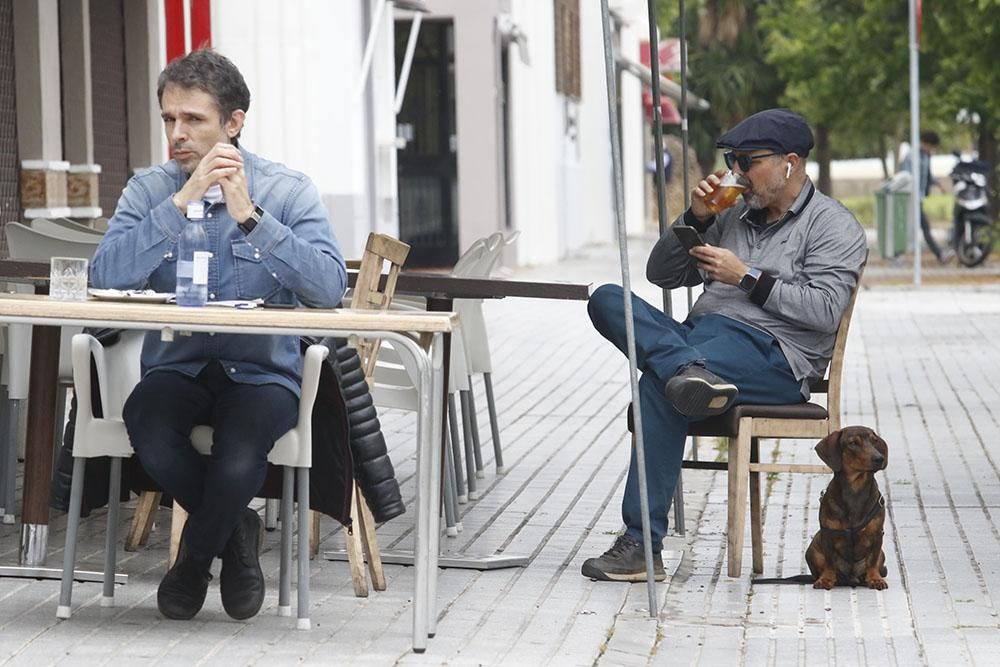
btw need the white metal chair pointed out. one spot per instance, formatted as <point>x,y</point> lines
<point>118,372</point>
<point>66,229</point>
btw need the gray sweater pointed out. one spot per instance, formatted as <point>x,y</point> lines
<point>810,260</point>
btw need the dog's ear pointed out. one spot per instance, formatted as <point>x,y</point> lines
<point>882,449</point>
<point>829,450</point>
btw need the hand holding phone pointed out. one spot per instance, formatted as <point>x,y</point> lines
<point>688,236</point>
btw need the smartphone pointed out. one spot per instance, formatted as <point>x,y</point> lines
<point>270,304</point>
<point>689,236</point>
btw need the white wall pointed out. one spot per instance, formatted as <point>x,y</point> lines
<point>301,62</point>
<point>536,137</point>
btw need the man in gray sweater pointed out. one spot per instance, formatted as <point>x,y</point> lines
<point>777,270</point>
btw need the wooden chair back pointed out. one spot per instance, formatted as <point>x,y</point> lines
<point>832,384</point>
<point>369,291</point>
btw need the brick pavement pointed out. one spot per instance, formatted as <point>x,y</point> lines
<point>919,370</point>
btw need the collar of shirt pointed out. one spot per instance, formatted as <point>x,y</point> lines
<point>755,217</point>
<point>214,194</point>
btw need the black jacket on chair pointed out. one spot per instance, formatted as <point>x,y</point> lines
<point>347,444</point>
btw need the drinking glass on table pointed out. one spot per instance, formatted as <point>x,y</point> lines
<point>68,278</point>
<point>725,194</point>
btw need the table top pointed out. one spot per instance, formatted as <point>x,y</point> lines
<point>24,271</point>
<point>450,287</point>
<point>410,282</point>
<point>38,309</point>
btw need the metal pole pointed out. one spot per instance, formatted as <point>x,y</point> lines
<point>684,128</point>
<point>404,73</point>
<point>366,59</point>
<point>616,166</point>
<point>915,193</point>
<point>654,68</point>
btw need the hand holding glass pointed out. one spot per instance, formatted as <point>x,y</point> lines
<point>725,194</point>
<point>68,279</point>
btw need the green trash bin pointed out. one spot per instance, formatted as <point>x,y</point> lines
<point>892,216</point>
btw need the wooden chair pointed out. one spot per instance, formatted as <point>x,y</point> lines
<point>368,294</point>
<point>360,538</point>
<point>744,425</point>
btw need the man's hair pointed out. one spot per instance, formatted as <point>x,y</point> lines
<point>930,138</point>
<point>211,72</point>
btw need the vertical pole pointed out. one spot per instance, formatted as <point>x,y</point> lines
<point>915,194</point>
<point>616,163</point>
<point>661,197</point>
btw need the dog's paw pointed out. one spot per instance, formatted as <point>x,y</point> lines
<point>878,583</point>
<point>825,583</point>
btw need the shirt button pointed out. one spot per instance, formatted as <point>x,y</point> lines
<point>211,296</point>
<point>232,370</point>
<point>274,275</point>
<point>256,255</point>
<point>211,333</point>
<point>168,255</point>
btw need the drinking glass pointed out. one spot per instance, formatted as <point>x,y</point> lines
<point>725,194</point>
<point>68,279</point>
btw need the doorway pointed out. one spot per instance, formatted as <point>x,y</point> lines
<point>427,169</point>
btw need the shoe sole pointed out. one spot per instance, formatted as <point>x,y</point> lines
<point>695,397</point>
<point>632,577</point>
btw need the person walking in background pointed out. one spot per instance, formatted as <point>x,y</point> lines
<point>929,141</point>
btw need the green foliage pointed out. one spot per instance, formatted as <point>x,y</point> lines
<point>726,65</point>
<point>843,64</point>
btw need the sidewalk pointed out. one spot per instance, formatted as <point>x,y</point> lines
<point>920,369</point>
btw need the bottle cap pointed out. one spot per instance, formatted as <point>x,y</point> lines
<point>195,210</point>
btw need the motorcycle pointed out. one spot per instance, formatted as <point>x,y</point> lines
<point>972,220</point>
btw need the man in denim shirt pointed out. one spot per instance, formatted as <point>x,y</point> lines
<point>270,238</point>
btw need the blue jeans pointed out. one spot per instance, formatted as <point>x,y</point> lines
<point>740,354</point>
<point>247,419</point>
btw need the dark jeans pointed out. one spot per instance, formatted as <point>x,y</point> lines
<point>925,227</point>
<point>742,355</point>
<point>247,419</point>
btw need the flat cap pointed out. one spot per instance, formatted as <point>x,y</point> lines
<point>772,129</point>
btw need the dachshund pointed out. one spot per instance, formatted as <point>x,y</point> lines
<point>847,550</point>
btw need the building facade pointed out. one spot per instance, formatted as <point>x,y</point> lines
<point>501,125</point>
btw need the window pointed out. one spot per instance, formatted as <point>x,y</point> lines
<point>567,42</point>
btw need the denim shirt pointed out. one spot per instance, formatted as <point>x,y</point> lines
<point>290,257</point>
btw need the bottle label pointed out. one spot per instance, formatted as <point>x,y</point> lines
<point>200,270</point>
<point>184,269</point>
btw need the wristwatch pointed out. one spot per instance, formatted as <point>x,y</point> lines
<point>248,225</point>
<point>749,280</point>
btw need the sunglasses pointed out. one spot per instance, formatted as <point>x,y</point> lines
<point>744,161</point>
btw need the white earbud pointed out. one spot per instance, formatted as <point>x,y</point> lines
<point>788,171</point>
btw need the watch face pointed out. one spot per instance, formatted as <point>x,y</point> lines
<point>748,282</point>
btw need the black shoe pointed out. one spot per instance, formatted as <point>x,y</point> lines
<point>624,561</point>
<point>698,392</point>
<point>182,591</point>
<point>241,579</point>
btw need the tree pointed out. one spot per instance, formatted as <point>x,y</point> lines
<point>960,40</point>
<point>845,66</point>
<point>726,66</point>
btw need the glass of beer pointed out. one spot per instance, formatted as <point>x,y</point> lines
<point>726,192</point>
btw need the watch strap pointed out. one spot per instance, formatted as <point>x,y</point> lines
<point>250,223</point>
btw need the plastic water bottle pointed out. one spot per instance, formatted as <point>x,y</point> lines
<point>192,259</point>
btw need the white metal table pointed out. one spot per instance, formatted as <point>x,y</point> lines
<point>419,334</point>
